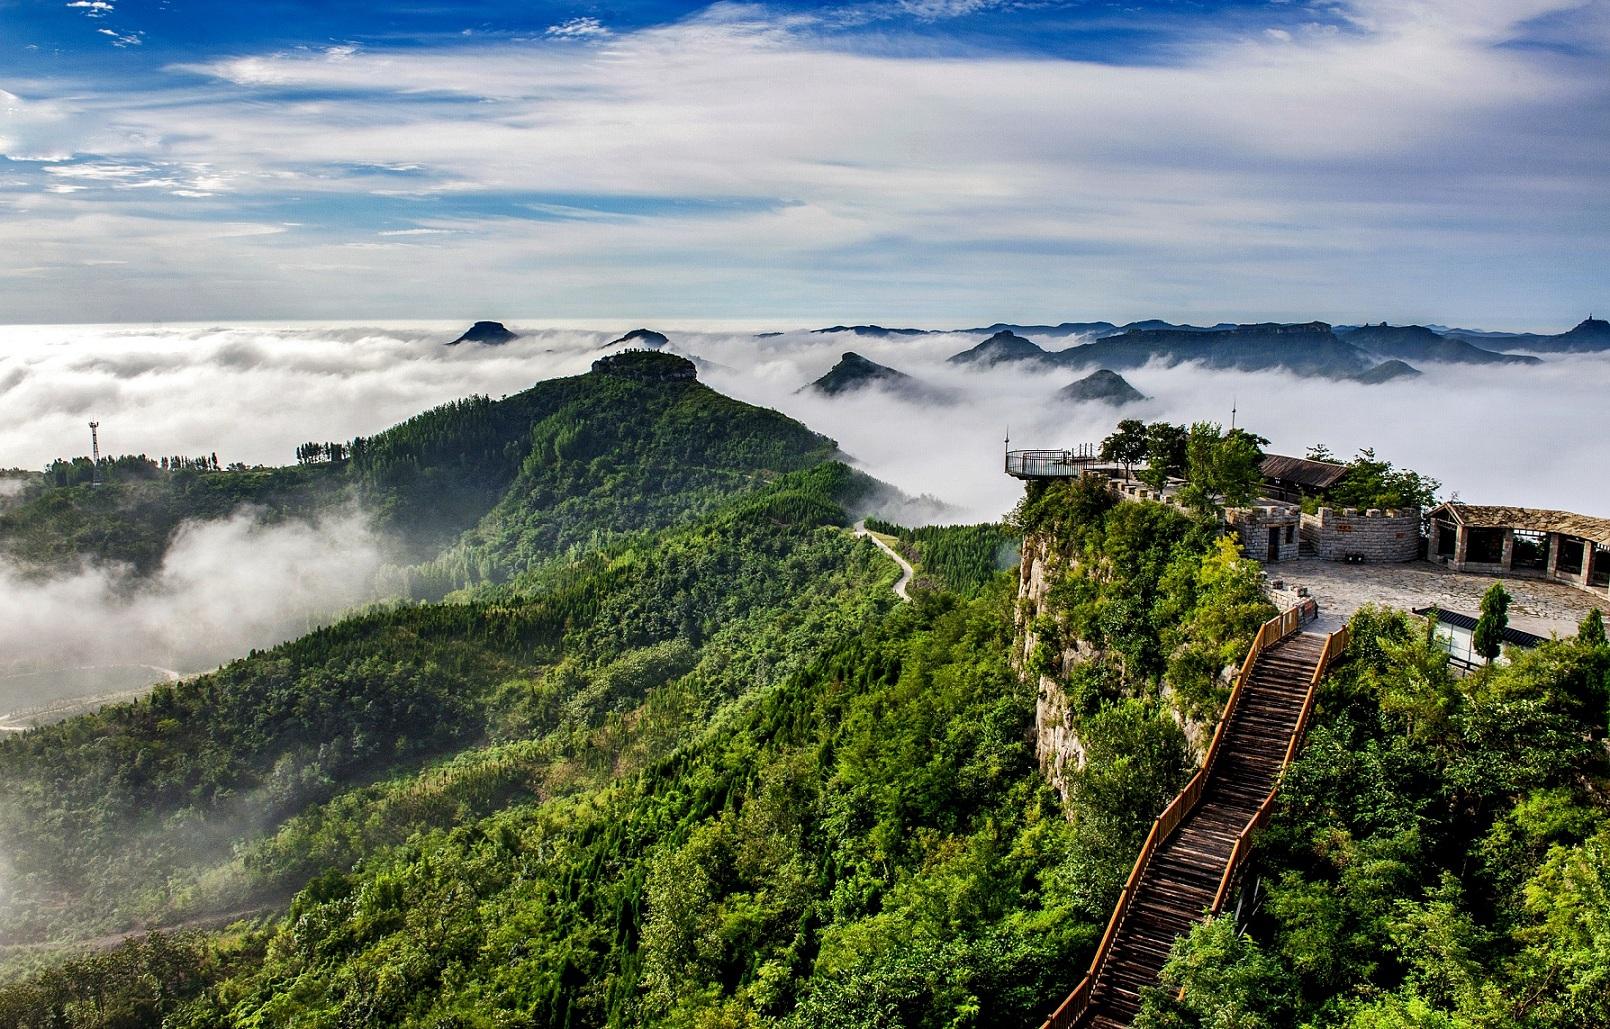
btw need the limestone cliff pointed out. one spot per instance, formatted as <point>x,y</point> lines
<point>1046,662</point>
<point>1046,653</point>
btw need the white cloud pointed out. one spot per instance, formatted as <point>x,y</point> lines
<point>578,28</point>
<point>123,38</point>
<point>1340,175</point>
<point>224,587</point>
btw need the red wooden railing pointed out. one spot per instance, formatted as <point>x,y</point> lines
<point>1077,1004</point>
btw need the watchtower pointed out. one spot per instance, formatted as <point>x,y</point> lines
<point>95,453</point>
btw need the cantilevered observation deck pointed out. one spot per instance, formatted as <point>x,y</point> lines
<point>1054,464</point>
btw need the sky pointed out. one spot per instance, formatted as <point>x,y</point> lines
<point>927,162</point>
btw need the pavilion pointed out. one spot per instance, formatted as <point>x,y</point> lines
<point>1558,545</point>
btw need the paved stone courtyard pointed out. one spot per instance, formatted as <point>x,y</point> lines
<point>1538,607</point>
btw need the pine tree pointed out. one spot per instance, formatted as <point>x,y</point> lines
<point>1488,638</point>
<point>1591,631</point>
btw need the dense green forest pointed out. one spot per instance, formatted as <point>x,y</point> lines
<point>959,558</point>
<point>132,517</point>
<point>671,752</point>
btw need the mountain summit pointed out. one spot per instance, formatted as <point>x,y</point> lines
<point>1103,386</point>
<point>489,333</point>
<point>1005,345</point>
<point>854,372</point>
<point>643,338</point>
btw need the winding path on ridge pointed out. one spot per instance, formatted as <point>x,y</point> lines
<point>906,571</point>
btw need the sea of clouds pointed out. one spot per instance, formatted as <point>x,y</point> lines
<point>1493,434</point>
<point>251,393</point>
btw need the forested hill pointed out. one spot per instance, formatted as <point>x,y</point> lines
<point>715,775</point>
<point>635,444</point>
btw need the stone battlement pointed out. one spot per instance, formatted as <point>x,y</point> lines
<point>1373,535</point>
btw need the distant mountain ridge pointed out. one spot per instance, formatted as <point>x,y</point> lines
<point>1306,348</point>
<point>874,331</point>
<point>1376,352</point>
<point>1591,335</point>
<point>1420,343</point>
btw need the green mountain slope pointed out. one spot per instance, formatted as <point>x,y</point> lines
<point>626,448</point>
<point>111,818</point>
<point>635,444</point>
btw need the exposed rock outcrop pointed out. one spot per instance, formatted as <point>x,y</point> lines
<point>646,366</point>
<point>1056,745</point>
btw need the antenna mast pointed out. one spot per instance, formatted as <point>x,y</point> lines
<point>95,453</point>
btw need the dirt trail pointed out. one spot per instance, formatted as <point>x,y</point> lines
<point>906,571</point>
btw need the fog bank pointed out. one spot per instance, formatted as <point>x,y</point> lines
<point>224,588</point>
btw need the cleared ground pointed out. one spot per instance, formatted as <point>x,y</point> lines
<point>1544,608</point>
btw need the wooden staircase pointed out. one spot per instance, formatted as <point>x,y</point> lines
<point>1188,863</point>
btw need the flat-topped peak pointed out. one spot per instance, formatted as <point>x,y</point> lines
<point>646,366</point>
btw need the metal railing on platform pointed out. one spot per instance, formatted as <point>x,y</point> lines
<point>1051,464</point>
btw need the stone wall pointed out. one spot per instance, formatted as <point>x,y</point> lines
<point>1252,525</point>
<point>1374,535</point>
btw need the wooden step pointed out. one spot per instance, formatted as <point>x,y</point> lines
<point>1181,878</point>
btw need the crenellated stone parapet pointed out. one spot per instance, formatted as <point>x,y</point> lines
<point>1372,535</point>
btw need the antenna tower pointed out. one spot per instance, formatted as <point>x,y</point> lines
<point>95,453</point>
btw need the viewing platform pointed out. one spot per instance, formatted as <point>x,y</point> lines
<point>1055,464</point>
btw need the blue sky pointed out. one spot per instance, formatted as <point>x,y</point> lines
<point>916,161</point>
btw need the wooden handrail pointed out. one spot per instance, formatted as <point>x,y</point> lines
<point>1335,643</point>
<point>1077,1004</point>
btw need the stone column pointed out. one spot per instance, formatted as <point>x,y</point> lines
<point>1552,569</point>
<point>1507,562</point>
<point>1461,546</point>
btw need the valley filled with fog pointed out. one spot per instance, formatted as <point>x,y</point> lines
<point>252,394</point>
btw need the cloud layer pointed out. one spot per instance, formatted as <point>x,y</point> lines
<point>224,587</point>
<point>252,393</point>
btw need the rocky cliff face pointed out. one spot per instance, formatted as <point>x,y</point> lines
<point>1048,659</point>
<point>1056,744</point>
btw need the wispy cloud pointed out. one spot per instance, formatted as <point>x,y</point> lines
<point>1311,171</point>
<point>123,38</point>
<point>93,8</point>
<point>578,28</point>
